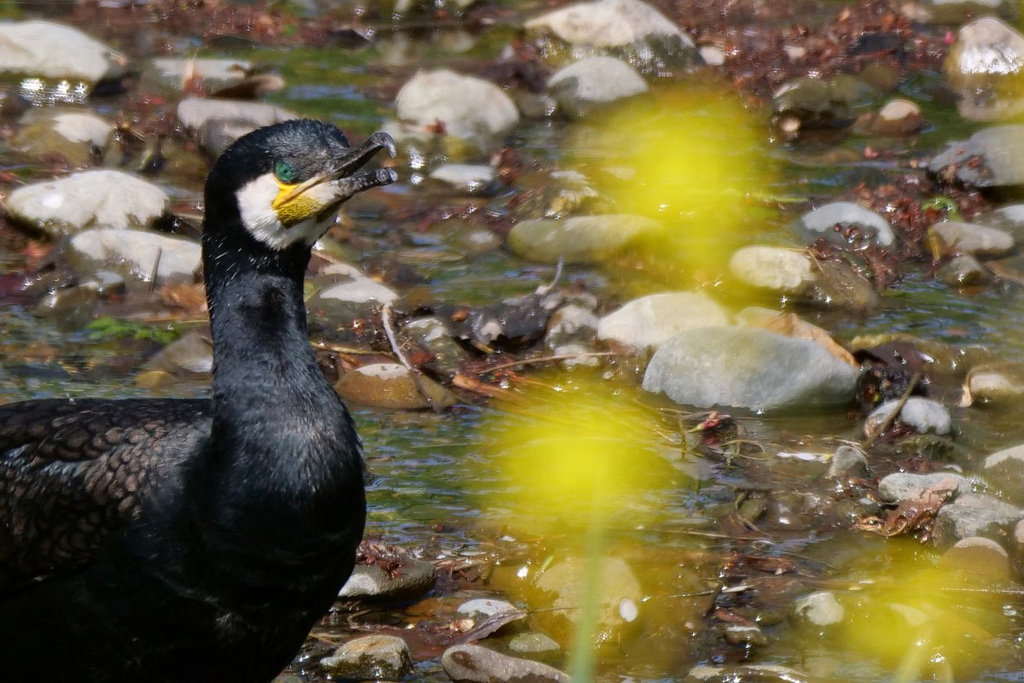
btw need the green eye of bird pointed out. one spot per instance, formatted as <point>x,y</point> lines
<point>284,172</point>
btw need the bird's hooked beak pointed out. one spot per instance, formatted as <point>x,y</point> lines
<point>325,191</point>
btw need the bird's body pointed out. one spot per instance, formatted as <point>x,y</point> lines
<point>191,540</point>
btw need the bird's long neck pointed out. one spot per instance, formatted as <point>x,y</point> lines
<point>275,416</point>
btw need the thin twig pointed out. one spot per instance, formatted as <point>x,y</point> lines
<point>896,411</point>
<point>385,316</point>
<point>156,269</point>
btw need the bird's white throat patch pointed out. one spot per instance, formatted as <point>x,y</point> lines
<point>261,219</point>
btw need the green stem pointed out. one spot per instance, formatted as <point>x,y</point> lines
<point>582,659</point>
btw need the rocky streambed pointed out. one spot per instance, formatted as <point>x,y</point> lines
<point>689,327</point>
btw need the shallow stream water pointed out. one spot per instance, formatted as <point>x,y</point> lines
<point>433,485</point>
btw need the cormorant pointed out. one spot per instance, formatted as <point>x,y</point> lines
<point>192,540</point>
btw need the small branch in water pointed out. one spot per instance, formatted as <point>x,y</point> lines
<point>389,330</point>
<point>895,413</point>
<point>156,269</point>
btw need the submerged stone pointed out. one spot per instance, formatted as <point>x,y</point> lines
<point>580,239</point>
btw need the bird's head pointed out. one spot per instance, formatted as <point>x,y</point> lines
<point>285,182</point>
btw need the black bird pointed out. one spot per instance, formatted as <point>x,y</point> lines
<point>191,540</point>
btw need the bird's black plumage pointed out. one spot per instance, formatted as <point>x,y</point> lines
<point>191,540</point>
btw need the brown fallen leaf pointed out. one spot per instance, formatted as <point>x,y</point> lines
<point>791,325</point>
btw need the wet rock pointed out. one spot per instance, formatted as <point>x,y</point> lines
<point>556,594</point>
<point>344,293</point>
<point>840,286</point>
<point>135,254</point>
<point>476,664</point>
<point>219,122</point>
<point>90,199</point>
<point>848,462</point>
<point>1004,470</point>
<point>831,221</point>
<point>983,66</point>
<point>903,486</point>
<point>819,609</point>
<point>989,158</point>
<point>469,108</point>
<point>469,239</point>
<point>968,238</point>
<point>76,135</point>
<point>955,12</point>
<point>51,50</point>
<point>761,673</point>
<point>651,320</point>
<point>964,271</point>
<point>467,178</point>
<point>783,271</point>
<point>190,357</point>
<point>998,384</point>
<point>809,103</point>
<point>486,607</point>
<point>533,645</point>
<point>593,82</point>
<point>370,582</point>
<point>924,415</point>
<point>172,72</point>
<point>975,514</point>
<point>69,305</point>
<point>748,636</point>
<point>373,657</point>
<point>748,368</point>
<point>1009,218</point>
<point>580,239</point>
<point>629,28</point>
<point>712,55</point>
<point>390,385</point>
<point>572,330</point>
<point>897,117</point>
<point>980,558</point>
<point>431,334</point>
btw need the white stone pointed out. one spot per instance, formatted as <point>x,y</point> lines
<point>650,320</point>
<point>91,199</point>
<point>140,251</point>
<point>468,107</point>
<point>779,270</point>
<point>593,81</point>
<point>52,50</point>
<point>608,23</point>
<point>193,112</point>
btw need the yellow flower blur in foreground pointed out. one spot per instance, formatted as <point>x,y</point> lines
<point>574,455</point>
<point>934,623</point>
<point>694,160</point>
